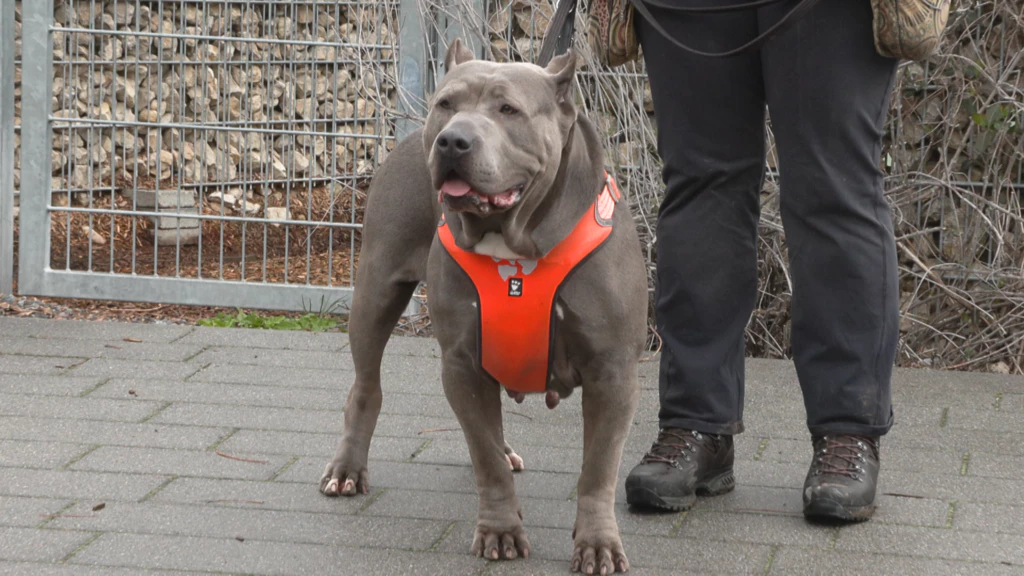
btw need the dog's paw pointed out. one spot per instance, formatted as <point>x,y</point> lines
<point>340,479</point>
<point>515,461</point>
<point>599,552</point>
<point>501,543</point>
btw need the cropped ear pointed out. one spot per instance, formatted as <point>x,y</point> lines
<point>563,70</point>
<point>457,54</point>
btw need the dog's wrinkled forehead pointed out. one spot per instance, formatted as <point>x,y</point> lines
<point>528,84</point>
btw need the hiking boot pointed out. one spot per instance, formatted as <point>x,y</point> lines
<point>681,465</point>
<point>841,482</point>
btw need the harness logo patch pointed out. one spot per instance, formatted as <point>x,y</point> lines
<point>515,287</point>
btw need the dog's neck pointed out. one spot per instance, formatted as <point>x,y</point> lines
<point>544,219</point>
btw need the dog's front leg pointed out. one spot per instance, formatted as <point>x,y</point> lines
<point>609,401</point>
<point>477,404</point>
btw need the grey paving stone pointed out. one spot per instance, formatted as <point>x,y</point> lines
<point>996,465</point>
<point>288,419</point>
<point>278,358</point>
<point>964,488</point>
<point>119,433</point>
<point>253,523</point>
<point>34,545</point>
<point>797,561</point>
<point>412,346</point>
<point>957,440</point>
<point>180,463</point>
<point>449,506</point>
<point>96,348</point>
<point>28,512</point>
<point>932,543</point>
<point>89,330</point>
<point>319,445</point>
<point>989,420</point>
<point>1012,403</point>
<point>452,451</point>
<point>697,555</point>
<point>115,368</point>
<point>277,413</point>
<point>411,374</point>
<point>76,408</point>
<point>219,393</point>
<point>259,557</point>
<point>250,338</point>
<point>275,375</point>
<point>771,474</point>
<point>989,518</point>
<point>430,477</point>
<point>41,347</point>
<point>27,454</point>
<point>895,458</point>
<point>46,385</point>
<point>754,528</point>
<point>78,484</point>
<point>38,569</point>
<point>35,365</point>
<point>417,427</point>
<point>260,495</point>
<point>947,394</point>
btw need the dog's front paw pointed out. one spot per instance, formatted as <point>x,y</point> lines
<point>500,543</point>
<point>598,550</point>
<point>345,477</point>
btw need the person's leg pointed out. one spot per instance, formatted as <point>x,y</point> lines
<point>710,120</point>
<point>828,93</point>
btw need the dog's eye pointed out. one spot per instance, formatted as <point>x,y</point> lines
<point>446,104</point>
<point>507,109</point>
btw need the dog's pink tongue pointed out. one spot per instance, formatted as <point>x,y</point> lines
<point>455,187</point>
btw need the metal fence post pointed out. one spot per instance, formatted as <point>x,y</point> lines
<point>465,16</point>
<point>36,145</point>
<point>412,67</point>
<point>7,147</point>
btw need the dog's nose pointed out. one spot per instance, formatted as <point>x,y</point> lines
<point>455,142</point>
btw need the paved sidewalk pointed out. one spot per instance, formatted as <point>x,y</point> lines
<point>136,449</point>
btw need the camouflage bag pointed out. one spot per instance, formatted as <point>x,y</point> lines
<point>610,32</point>
<point>909,29</point>
<point>613,40</point>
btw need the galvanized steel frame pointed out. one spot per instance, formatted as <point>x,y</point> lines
<point>6,146</point>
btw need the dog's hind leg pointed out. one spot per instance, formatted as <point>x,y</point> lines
<point>375,311</point>
<point>401,217</point>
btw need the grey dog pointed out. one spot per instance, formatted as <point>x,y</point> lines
<point>515,167</point>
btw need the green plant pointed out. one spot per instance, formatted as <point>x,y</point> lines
<point>309,322</point>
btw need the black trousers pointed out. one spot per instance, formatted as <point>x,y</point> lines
<point>827,93</point>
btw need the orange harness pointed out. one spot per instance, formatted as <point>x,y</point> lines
<point>516,297</point>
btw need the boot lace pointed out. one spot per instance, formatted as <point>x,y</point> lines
<point>843,456</point>
<point>675,443</point>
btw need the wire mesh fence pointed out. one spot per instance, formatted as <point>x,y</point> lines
<point>230,142</point>
<point>215,139</point>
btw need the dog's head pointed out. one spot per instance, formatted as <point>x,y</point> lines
<point>494,133</point>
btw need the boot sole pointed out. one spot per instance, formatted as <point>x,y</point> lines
<point>645,497</point>
<point>829,510</point>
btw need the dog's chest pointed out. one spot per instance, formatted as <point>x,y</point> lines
<point>516,304</point>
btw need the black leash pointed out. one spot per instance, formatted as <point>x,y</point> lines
<point>564,18</point>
